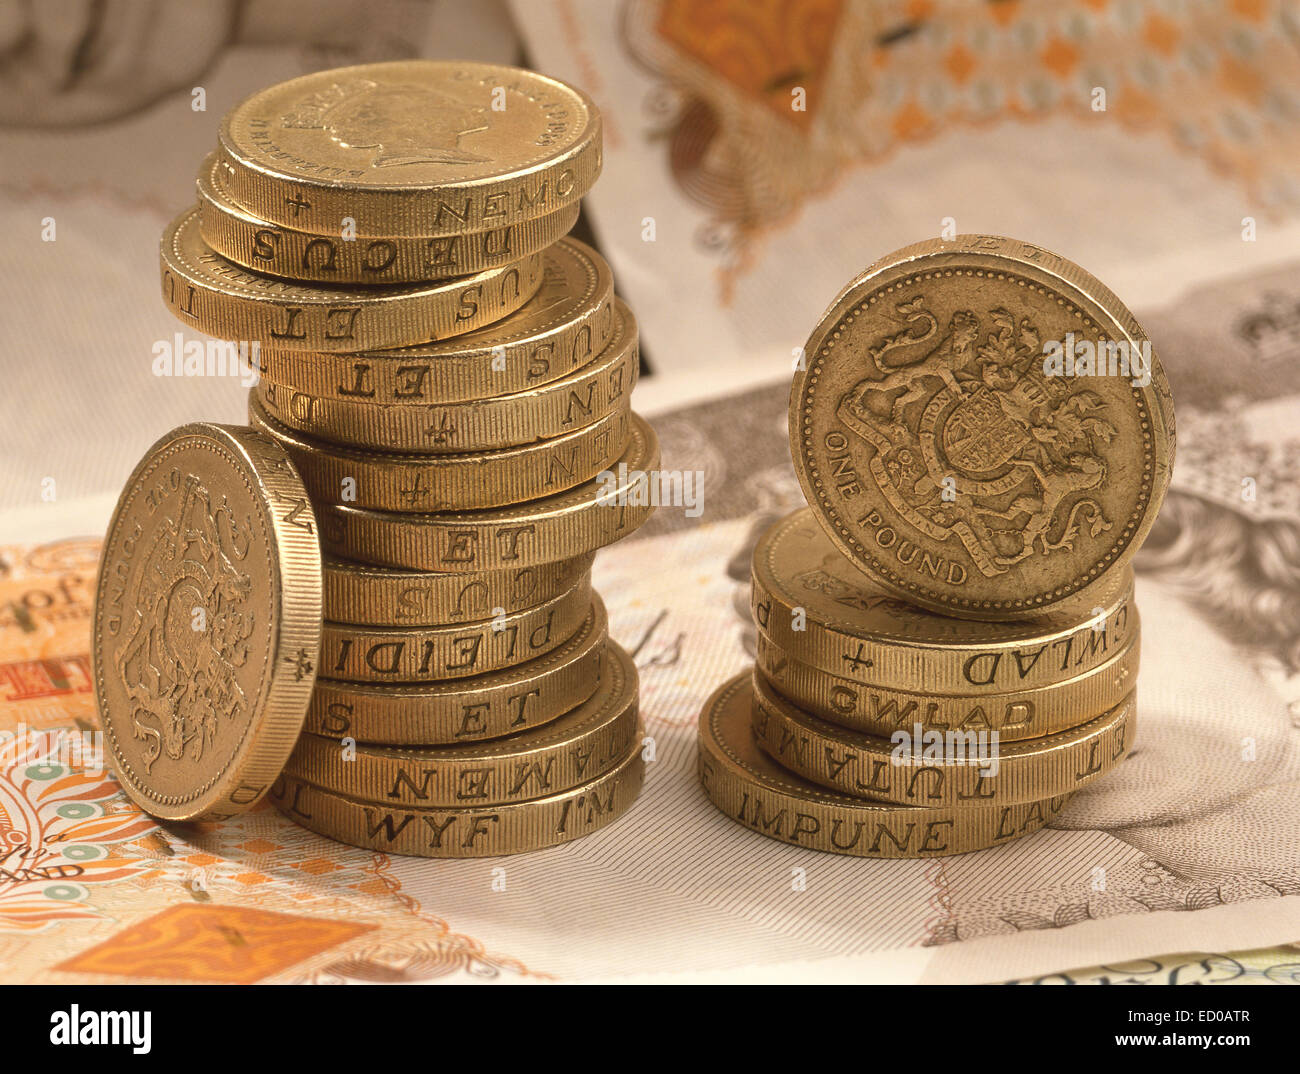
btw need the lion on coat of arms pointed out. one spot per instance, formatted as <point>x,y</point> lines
<point>973,440</point>
<point>191,630</point>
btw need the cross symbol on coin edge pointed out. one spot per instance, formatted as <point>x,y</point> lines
<point>856,661</point>
<point>443,429</point>
<point>302,664</point>
<point>416,492</point>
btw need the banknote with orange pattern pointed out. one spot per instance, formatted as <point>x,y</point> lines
<point>92,889</point>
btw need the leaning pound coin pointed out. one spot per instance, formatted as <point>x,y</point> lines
<point>207,622</point>
<point>982,427</point>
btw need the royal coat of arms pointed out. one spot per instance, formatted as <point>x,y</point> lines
<point>974,440</point>
<point>179,663</point>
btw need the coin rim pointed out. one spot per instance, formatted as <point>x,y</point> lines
<point>404,540</point>
<point>608,717</point>
<point>1016,760</point>
<point>350,587</point>
<point>525,832</point>
<point>1084,694</point>
<point>396,727</point>
<point>461,481</point>
<point>231,230</point>
<point>411,313</point>
<point>732,775</point>
<point>897,656</point>
<point>513,419</point>
<point>572,604</point>
<point>321,372</point>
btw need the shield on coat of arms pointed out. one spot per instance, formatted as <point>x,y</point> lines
<point>979,435</point>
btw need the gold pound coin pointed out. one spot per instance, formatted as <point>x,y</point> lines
<point>982,427</point>
<point>340,257</point>
<point>568,524</point>
<point>216,296</point>
<point>563,327</point>
<point>387,481</point>
<point>363,595</point>
<point>818,607</point>
<point>754,791</point>
<point>881,709</point>
<point>552,410</point>
<point>411,147</point>
<point>579,746</point>
<point>207,622</point>
<point>433,654</point>
<point>959,769</point>
<point>466,710</point>
<point>467,831</point>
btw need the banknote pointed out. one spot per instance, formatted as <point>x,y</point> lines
<point>758,156</point>
<point>1270,965</point>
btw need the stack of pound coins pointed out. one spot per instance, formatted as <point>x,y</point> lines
<point>947,639</point>
<point>450,375</point>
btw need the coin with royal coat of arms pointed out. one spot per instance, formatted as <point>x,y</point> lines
<point>207,622</point>
<point>982,427</point>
